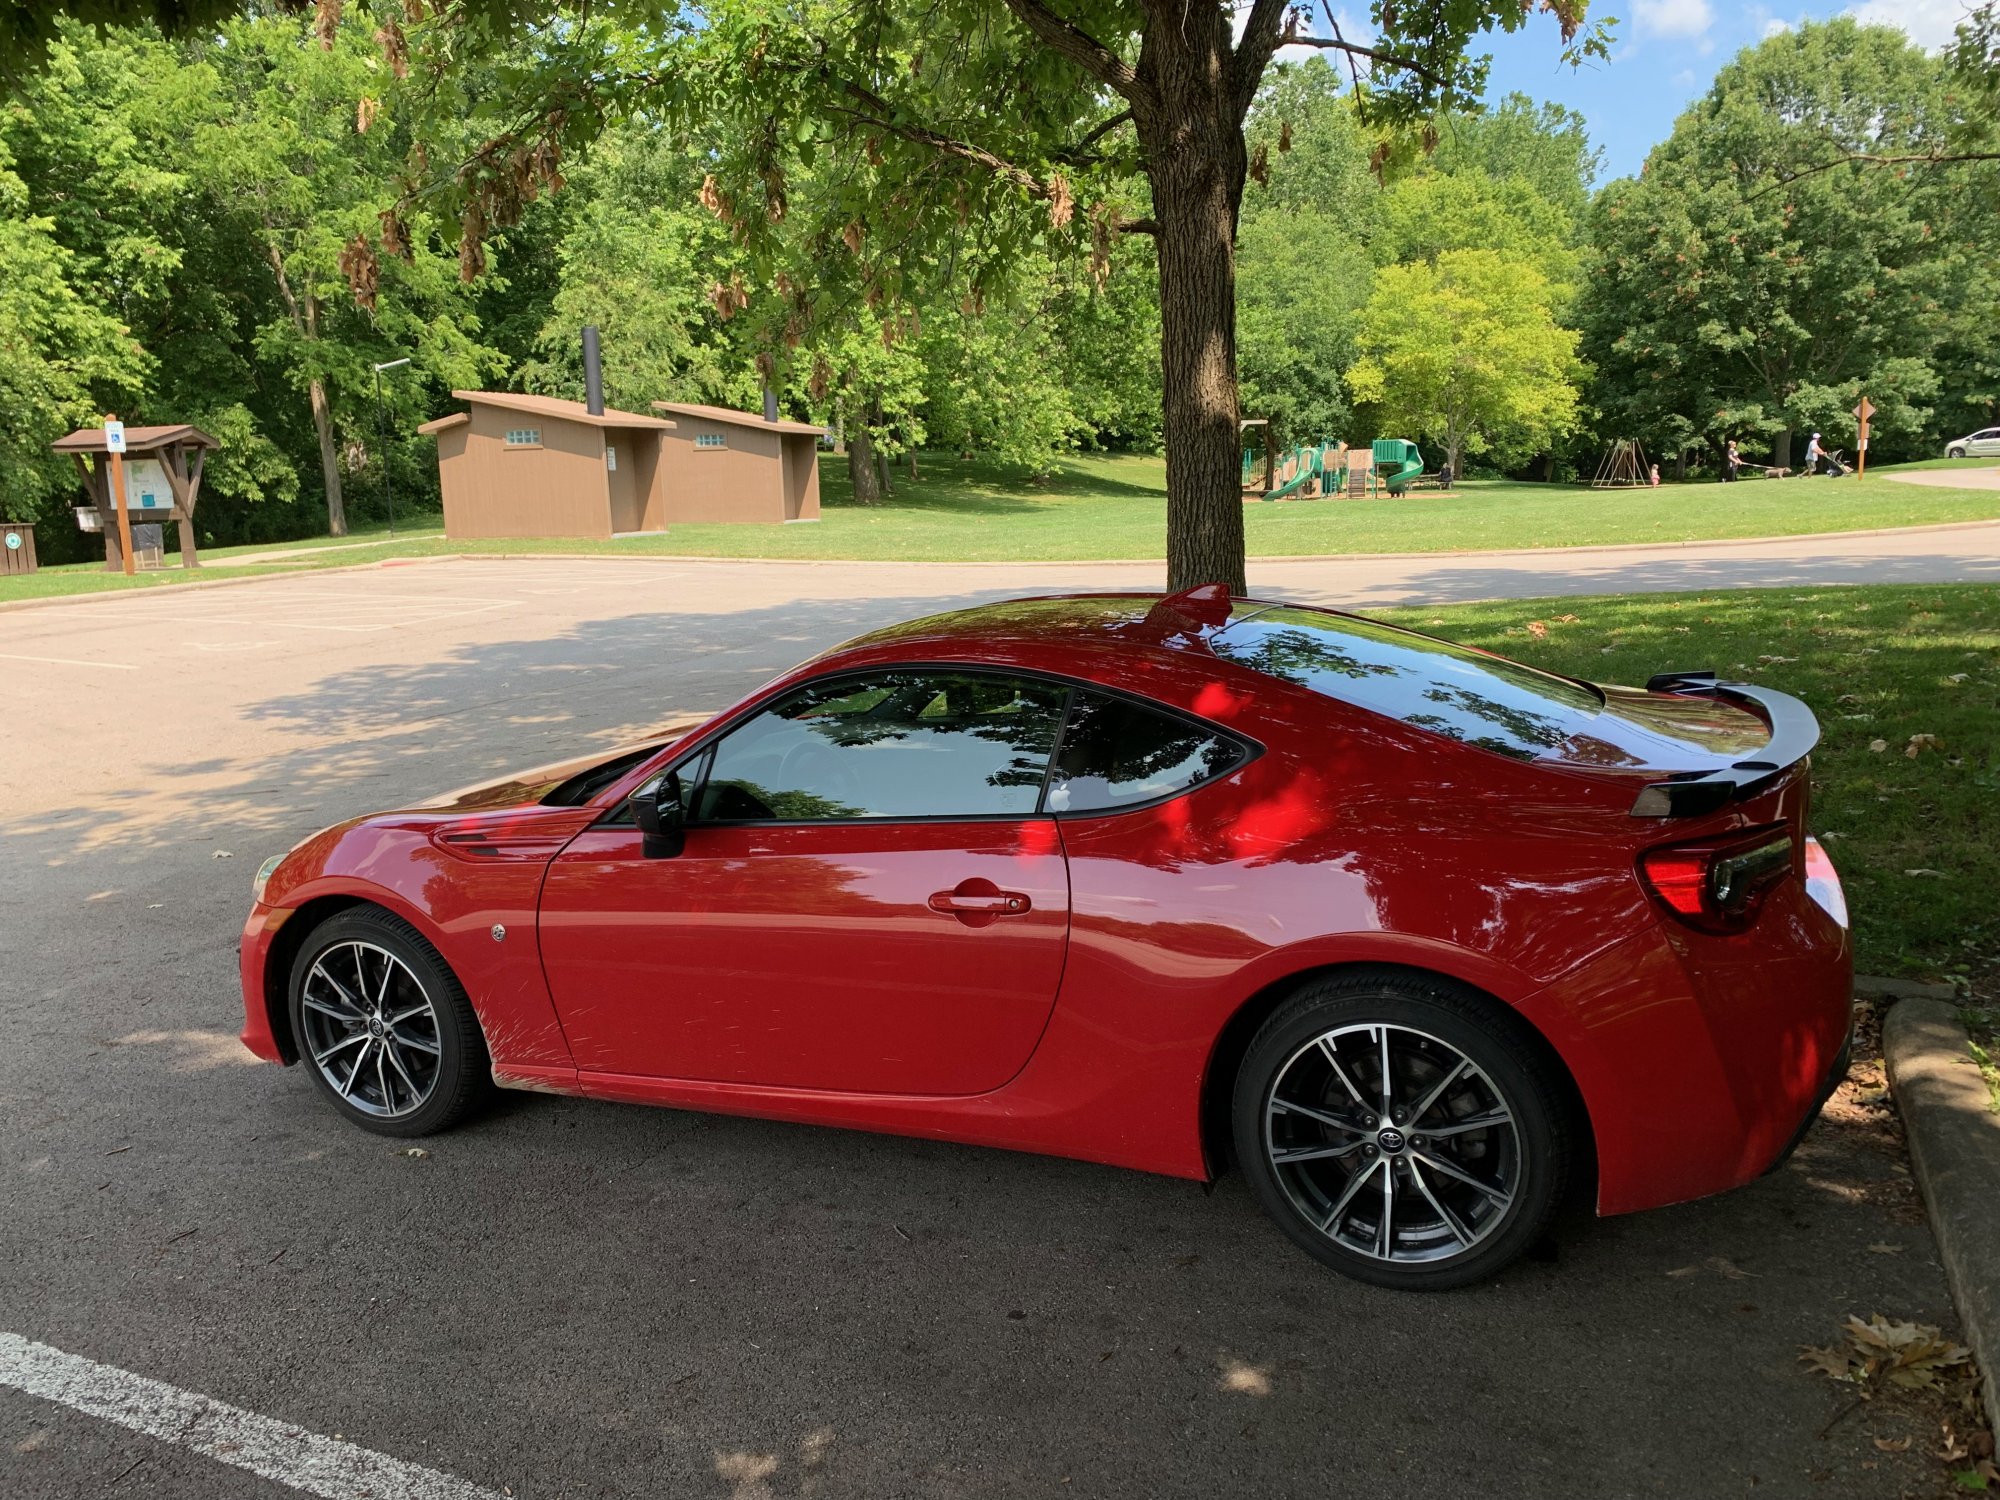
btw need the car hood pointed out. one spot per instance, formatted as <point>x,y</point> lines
<point>522,788</point>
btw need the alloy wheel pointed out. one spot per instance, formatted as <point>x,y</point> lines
<point>1393,1144</point>
<point>371,1029</point>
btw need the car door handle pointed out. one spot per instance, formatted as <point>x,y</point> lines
<point>979,902</point>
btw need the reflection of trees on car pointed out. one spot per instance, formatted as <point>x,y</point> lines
<point>1524,731</point>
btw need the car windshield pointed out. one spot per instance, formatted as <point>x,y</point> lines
<point>1452,690</point>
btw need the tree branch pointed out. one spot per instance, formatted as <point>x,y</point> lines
<point>1140,226</point>
<point>1075,154</point>
<point>1254,50</point>
<point>877,112</point>
<point>1870,159</point>
<point>1081,48</point>
<point>1355,49</point>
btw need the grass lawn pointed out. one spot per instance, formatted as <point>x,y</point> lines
<point>1097,507</point>
<point>1916,836</point>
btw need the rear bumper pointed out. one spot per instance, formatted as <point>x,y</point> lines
<point>1835,1076</point>
<point>1701,1061</point>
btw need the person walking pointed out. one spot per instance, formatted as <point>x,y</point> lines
<point>1812,455</point>
<point>1731,461</point>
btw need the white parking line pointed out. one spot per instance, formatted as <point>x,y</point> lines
<point>264,1446</point>
<point>67,661</point>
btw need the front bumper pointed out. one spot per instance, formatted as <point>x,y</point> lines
<point>252,959</point>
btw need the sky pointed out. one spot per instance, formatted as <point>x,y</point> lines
<point>1665,55</point>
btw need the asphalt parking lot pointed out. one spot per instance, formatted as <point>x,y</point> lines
<point>579,1299</point>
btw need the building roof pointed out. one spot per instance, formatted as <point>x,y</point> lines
<point>443,422</point>
<point>730,414</point>
<point>137,439</point>
<point>566,411</point>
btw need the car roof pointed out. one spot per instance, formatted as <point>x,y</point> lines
<point>1156,621</point>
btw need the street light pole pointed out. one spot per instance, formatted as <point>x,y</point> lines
<point>382,439</point>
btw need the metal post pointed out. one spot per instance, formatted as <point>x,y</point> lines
<point>382,439</point>
<point>593,372</point>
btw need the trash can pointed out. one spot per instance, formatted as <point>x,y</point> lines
<point>17,547</point>
<point>148,547</point>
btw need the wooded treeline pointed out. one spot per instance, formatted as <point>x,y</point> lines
<point>178,222</point>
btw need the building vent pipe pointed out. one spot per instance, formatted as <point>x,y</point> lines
<point>593,373</point>
<point>770,404</point>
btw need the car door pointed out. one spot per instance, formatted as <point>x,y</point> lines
<point>870,898</point>
<point>1984,444</point>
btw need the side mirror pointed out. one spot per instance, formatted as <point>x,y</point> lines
<point>662,818</point>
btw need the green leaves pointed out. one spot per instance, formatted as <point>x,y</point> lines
<point>1467,350</point>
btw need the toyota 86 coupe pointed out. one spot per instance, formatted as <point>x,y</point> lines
<point>1414,935</point>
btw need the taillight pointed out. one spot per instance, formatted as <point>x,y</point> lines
<point>1823,883</point>
<point>1717,886</point>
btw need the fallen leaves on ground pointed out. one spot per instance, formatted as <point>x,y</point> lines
<point>1878,1352</point>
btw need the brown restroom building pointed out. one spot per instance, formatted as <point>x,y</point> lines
<point>527,466</point>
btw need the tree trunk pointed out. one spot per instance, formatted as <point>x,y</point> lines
<point>1681,466</point>
<point>1191,130</point>
<point>862,474</point>
<point>329,457</point>
<point>305,319</point>
<point>914,475</point>
<point>882,465</point>
<point>1781,450</point>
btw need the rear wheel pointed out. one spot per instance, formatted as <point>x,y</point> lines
<point>384,1026</point>
<point>1401,1129</point>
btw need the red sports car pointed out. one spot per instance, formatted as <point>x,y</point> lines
<point>1415,934</point>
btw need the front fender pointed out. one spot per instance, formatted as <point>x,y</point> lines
<point>474,903</point>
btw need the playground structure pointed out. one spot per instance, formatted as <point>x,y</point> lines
<point>1322,471</point>
<point>1622,467</point>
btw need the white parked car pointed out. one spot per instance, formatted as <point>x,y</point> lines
<point>1984,443</point>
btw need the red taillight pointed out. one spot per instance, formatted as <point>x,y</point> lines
<point>1718,886</point>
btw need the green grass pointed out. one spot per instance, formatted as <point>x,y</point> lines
<point>1879,663</point>
<point>1096,507</point>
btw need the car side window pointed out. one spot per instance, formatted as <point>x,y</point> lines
<point>1116,752</point>
<point>917,743</point>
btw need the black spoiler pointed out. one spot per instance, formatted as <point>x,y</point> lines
<point>1794,732</point>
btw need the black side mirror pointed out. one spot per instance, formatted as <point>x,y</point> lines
<point>662,818</point>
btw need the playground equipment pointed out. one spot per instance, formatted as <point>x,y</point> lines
<point>1298,474</point>
<point>1398,462</point>
<point>1622,467</point>
<point>1325,470</point>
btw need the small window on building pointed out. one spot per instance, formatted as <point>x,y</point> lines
<point>524,437</point>
<point>611,458</point>
<point>711,440</point>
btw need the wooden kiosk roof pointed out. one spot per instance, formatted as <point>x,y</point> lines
<point>137,439</point>
<point>547,406</point>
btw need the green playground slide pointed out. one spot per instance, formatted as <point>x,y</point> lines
<point>1397,462</point>
<point>1308,469</point>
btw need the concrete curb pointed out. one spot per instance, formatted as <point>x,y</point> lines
<point>1954,1140</point>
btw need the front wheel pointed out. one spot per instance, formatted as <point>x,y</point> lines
<point>1401,1129</point>
<point>1954,453</point>
<point>384,1026</point>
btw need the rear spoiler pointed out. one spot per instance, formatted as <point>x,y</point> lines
<point>1794,733</point>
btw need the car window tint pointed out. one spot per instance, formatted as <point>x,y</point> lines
<point>1115,752</point>
<point>1449,689</point>
<point>915,744</point>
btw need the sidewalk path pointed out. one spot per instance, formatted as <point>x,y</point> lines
<point>1952,479</point>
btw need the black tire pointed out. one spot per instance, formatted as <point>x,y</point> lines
<point>343,960</point>
<point>1954,453</point>
<point>1462,1203</point>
